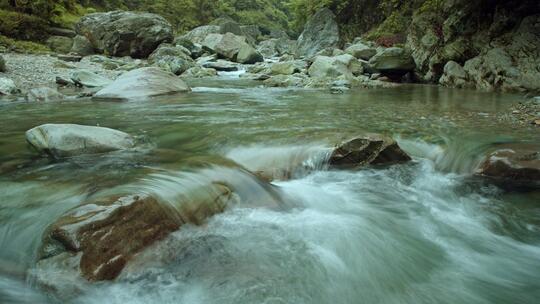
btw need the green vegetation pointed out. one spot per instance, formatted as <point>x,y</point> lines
<point>20,46</point>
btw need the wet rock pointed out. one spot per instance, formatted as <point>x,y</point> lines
<point>107,233</point>
<point>343,65</point>
<point>60,44</point>
<point>514,167</point>
<point>121,33</point>
<point>368,150</point>
<point>200,72</point>
<point>82,46</point>
<point>174,59</point>
<point>221,65</point>
<point>65,140</point>
<point>454,75</point>
<point>142,83</point>
<point>320,32</point>
<point>85,78</point>
<point>361,51</point>
<point>43,94</point>
<point>393,62</point>
<point>7,86</point>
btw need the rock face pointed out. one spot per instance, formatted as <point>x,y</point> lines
<point>122,33</point>
<point>142,83</point>
<point>393,61</point>
<point>85,78</point>
<point>43,94</point>
<point>60,44</point>
<point>497,52</point>
<point>7,86</point>
<point>342,65</point>
<point>513,168</point>
<point>364,151</point>
<point>65,140</point>
<point>106,233</point>
<point>174,59</point>
<point>320,32</point>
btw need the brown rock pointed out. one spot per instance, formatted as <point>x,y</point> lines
<point>110,231</point>
<point>369,150</point>
<point>515,168</point>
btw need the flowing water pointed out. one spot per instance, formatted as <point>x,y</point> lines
<point>423,232</point>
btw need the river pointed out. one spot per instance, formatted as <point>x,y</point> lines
<point>422,232</point>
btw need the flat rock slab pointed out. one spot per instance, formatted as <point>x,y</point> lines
<point>140,84</point>
<point>65,140</point>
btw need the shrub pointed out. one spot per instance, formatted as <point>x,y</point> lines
<point>22,26</point>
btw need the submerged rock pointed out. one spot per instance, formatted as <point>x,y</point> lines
<point>142,83</point>
<point>65,140</point>
<point>320,32</point>
<point>513,167</point>
<point>121,33</point>
<point>43,94</point>
<point>369,150</point>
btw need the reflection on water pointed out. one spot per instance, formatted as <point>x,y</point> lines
<point>414,233</point>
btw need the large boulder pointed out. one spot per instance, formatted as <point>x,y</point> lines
<point>105,234</point>
<point>230,26</point>
<point>82,46</point>
<point>65,140</point>
<point>513,167</point>
<point>198,34</point>
<point>7,86</point>
<point>248,55</point>
<point>43,94</point>
<point>454,75</point>
<point>142,83</point>
<point>320,32</point>
<point>121,33</point>
<point>89,79</point>
<point>60,44</point>
<point>174,59</point>
<point>251,32</point>
<point>361,51</point>
<point>284,68</point>
<point>276,47</point>
<point>367,150</point>
<point>343,65</point>
<point>393,61</point>
<point>229,45</point>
